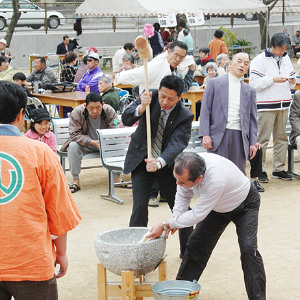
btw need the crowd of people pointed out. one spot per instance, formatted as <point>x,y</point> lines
<point>236,123</point>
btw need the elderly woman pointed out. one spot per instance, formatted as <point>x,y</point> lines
<point>68,71</point>
<point>222,59</point>
<point>212,71</point>
<point>128,63</point>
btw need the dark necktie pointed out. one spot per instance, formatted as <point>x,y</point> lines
<point>156,146</point>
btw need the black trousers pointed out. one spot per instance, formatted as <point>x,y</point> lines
<point>207,233</point>
<point>256,165</point>
<point>142,182</point>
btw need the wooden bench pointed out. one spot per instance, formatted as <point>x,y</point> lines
<point>291,149</point>
<point>61,131</point>
<point>107,53</point>
<point>114,145</point>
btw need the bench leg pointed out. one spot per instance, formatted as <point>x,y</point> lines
<point>111,190</point>
<point>63,163</point>
<point>291,162</point>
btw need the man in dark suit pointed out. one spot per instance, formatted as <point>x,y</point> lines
<point>65,46</point>
<point>173,121</point>
<point>228,121</point>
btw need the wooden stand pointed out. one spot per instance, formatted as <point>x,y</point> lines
<point>128,288</point>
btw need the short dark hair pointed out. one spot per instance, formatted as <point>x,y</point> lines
<point>179,44</point>
<point>65,37</point>
<point>84,59</point>
<point>12,99</point>
<point>128,46</point>
<point>93,97</point>
<point>70,56</point>
<point>280,39</point>
<point>219,33</point>
<point>204,50</point>
<point>156,26</point>
<point>172,82</point>
<point>191,162</point>
<point>19,76</point>
<point>3,59</point>
<point>42,59</point>
<point>182,24</point>
<point>186,31</point>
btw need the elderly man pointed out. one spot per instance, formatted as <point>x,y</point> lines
<point>296,43</point>
<point>224,195</point>
<point>84,121</point>
<point>89,80</point>
<point>108,93</point>
<point>272,75</point>
<point>160,66</point>
<point>228,124</point>
<point>170,131</point>
<point>295,121</point>
<point>117,59</point>
<point>37,209</point>
<point>4,51</point>
<point>42,73</point>
<point>64,46</point>
<point>6,71</point>
<point>217,45</point>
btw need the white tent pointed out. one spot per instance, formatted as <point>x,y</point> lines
<point>142,8</point>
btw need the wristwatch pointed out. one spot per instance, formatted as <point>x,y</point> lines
<point>165,225</point>
<point>158,164</point>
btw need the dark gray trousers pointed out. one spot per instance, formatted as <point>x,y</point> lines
<point>207,233</point>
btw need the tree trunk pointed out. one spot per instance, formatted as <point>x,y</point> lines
<point>14,20</point>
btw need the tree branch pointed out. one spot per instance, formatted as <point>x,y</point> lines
<point>13,22</point>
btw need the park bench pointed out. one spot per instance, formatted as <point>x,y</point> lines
<point>291,149</point>
<point>113,148</point>
<point>61,131</point>
<point>107,53</point>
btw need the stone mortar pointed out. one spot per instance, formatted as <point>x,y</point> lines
<point>118,250</point>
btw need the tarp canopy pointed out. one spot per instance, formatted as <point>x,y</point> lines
<point>143,8</point>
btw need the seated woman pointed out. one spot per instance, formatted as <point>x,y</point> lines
<point>212,71</point>
<point>128,63</point>
<point>68,71</point>
<point>222,59</point>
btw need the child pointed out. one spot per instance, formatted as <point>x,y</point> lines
<point>39,127</point>
<point>20,79</point>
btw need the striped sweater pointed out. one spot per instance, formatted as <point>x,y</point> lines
<point>270,95</point>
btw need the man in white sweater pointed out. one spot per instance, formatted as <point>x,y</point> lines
<point>224,195</point>
<point>272,75</point>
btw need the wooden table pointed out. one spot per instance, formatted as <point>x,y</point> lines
<point>61,57</point>
<point>71,99</point>
<point>194,94</point>
<point>124,86</point>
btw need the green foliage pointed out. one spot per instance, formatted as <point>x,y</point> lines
<point>229,37</point>
<point>243,42</point>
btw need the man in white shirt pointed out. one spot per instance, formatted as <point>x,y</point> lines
<point>223,194</point>
<point>228,122</point>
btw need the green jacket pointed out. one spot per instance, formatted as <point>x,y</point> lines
<point>111,98</point>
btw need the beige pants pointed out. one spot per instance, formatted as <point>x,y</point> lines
<point>273,122</point>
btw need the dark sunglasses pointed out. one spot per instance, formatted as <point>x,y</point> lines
<point>89,59</point>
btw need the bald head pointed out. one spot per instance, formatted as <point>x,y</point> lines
<point>240,64</point>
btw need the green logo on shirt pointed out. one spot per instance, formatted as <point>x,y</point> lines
<point>11,173</point>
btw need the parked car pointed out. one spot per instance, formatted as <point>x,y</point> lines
<point>31,15</point>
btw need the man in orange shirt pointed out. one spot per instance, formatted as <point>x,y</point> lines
<point>217,45</point>
<point>36,207</point>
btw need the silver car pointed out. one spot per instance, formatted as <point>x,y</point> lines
<point>31,15</point>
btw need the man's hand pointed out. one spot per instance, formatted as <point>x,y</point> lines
<point>280,79</point>
<point>192,67</point>
<point>95,143</point>
<point>151,165</point>
<point>207,142</point>
<point>62,261</point>
<point>252,151</point>
<point>145,100</point>
<point>156,231</point>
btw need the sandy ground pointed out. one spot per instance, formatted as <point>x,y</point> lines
<point>279,243</point>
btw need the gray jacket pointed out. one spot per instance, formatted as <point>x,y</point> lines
<point>295,117</point>
<point>44,77</point>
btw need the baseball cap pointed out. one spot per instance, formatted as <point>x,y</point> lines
<point>94,55</point>
<point>3,41</point>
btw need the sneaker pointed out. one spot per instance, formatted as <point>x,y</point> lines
<point>153,202</point>
<point>263,177</point>
<point>258,186</point>
<point>282,175</point>
<point>162,198</point>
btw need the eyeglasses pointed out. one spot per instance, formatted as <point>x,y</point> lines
<point>178,56</point>
<point>89,59</point>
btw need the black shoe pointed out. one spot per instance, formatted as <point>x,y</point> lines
<point>282,175</point>
<point>263,177</point>
<point>162,198</point>
<point>258,186</point>
<point>153,202</point>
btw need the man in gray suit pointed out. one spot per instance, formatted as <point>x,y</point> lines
<point>166,111</point>
<point>295,121</point>
<point>228,121</point>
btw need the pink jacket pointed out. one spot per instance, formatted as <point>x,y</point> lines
<point>48,138</point>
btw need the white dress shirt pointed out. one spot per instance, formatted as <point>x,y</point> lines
<point>223,188</point>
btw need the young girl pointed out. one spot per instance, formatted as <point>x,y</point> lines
<point>39,127</point>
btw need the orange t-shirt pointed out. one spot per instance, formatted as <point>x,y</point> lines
<point>216,47</point>
<point>35,202</point>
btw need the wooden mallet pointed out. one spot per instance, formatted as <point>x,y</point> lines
<point>145,52</point>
